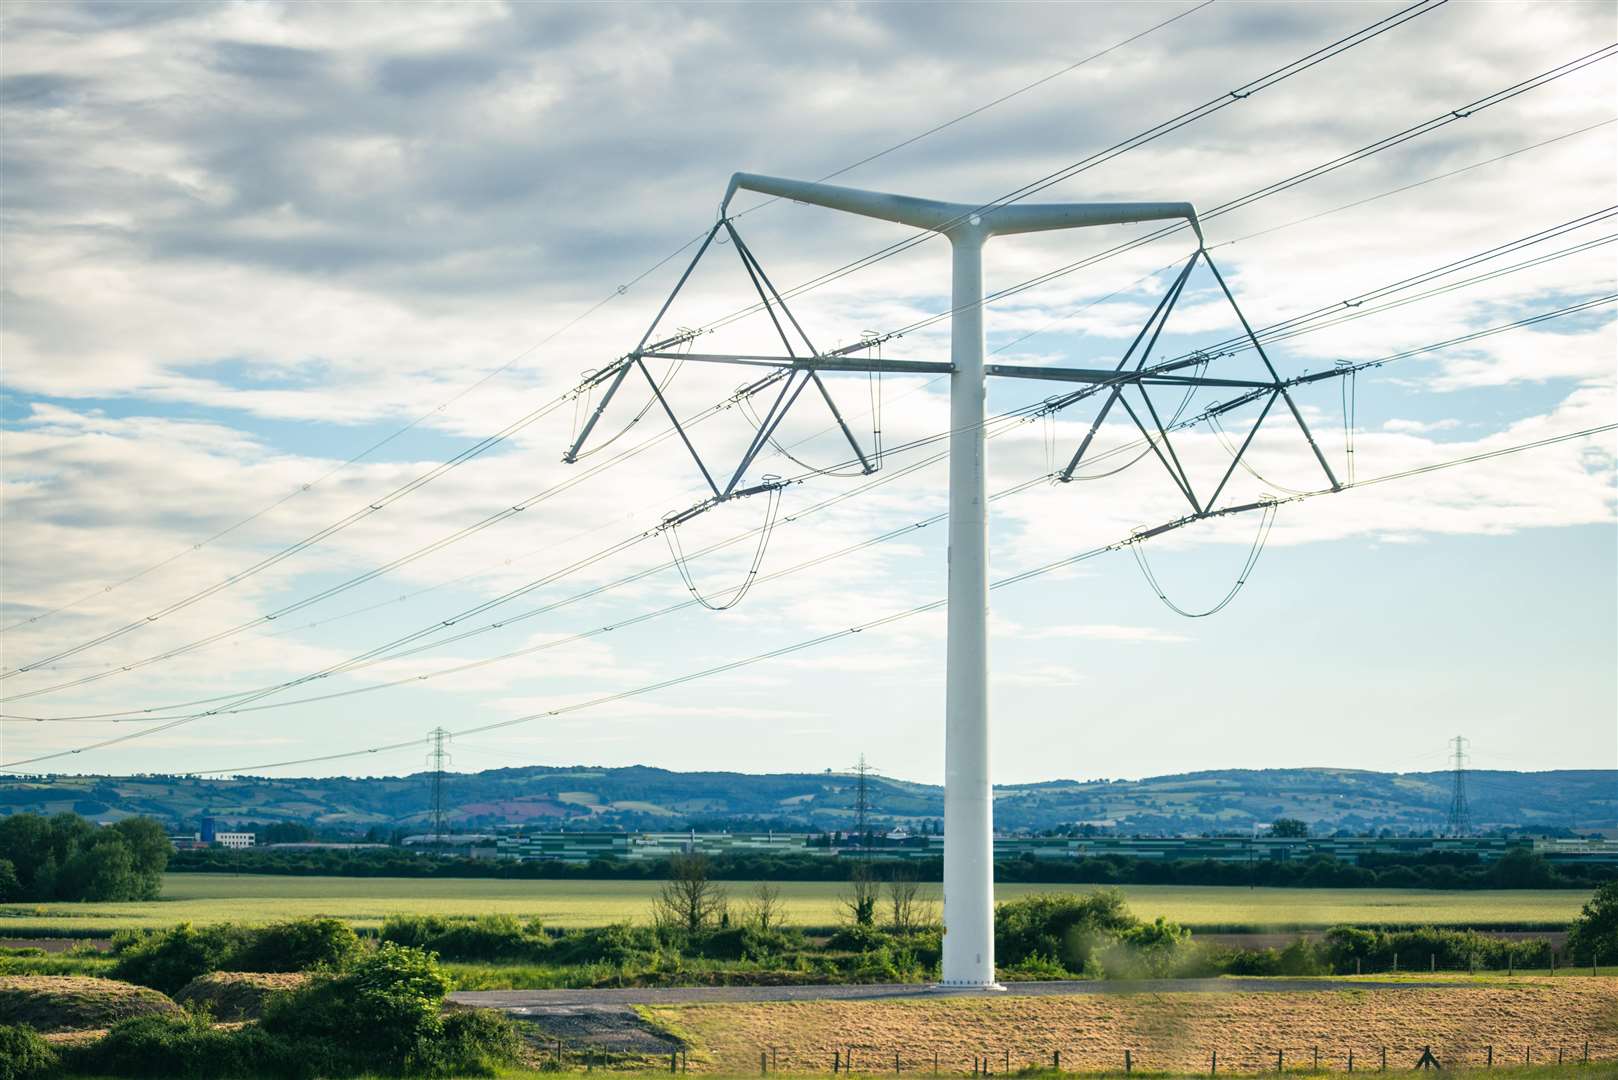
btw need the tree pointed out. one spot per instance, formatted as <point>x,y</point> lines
<point>859,902</point>
<point>1289,828</point>
<point>689,899</point>
<point>908,909</point>
<point>67,858</point>
<point>1594,934</point>
<point>766,912</point>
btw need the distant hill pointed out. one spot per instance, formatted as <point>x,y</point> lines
<point>638,797</point>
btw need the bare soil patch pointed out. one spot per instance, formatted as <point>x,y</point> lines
<point>1162,1031</point>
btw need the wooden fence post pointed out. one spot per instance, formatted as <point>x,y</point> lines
<point>763,1063</point>
<point>1278,1066</point>
<point>935,1062</point>
<point>1433,957</point>
<point>674,1061</point>
<point>1350,1060</point>
<point>1317,1059</point>
<point>1558,1055</point>
<point>836,1061</point>
<point>1490,1063</point>
<point>1396,963</point>
<point>1056,1060</point>
<point>1384,1060</point>
<point>1129,1063</point>
<point>1007,1069</point>
<point>896,1063</point>
<point>1213,1068</point>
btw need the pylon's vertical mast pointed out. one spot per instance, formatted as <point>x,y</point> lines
<point>968,798</point>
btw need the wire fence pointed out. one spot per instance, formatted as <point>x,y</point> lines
<point>866,1060</point>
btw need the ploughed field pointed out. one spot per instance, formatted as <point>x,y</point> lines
<point>1163,1032</point>
<point>206,898</point>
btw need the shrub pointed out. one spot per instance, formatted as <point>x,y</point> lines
<point>1035,968</point>
<point>618,943</point>
<point>298,945</point>
<point>1062,926</point>
<point>169,959</point>
<point>749,942</point>
<point>489,938</point>
<point>474,1043</point>
<point>164,1046</point>
<point>24,1055</point>
<point>384,1010</point>
<point>1453,950</point>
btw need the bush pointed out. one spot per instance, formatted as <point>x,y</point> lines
<point>747,943</point>
<point>1035,968</point>
<point>24,1055</point>
<point>619,943</point>
<point>1417,950</point>
<point>384,1011</point>
<point>475,1042</point>
<point>1062,927</point>
<point>489,938</point>
<point>298,945</point>
<point>187,1045</point>
<point>169,959</point>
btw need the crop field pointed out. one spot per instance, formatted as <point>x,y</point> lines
<point>1163,1032</point>
<point>257,898</point>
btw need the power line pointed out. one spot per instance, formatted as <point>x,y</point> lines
<point>1538,80</point>
<point>582,316</point>
<point>886,620</point>
<point>386,653</point>
<point>1242,93</point>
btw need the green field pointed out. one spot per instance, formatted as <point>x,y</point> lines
<point>205,898</point>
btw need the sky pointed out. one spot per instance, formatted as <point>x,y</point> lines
<point>269,267</point>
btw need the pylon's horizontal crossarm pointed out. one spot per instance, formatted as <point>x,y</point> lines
<point>993,219</point>
<point>1110,376</point>
<point>811,363</point>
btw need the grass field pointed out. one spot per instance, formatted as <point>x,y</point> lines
<point>1171,1032</point>
<point>205,898</point>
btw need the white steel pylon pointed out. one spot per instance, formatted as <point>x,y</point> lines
<point>968,799</point>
